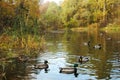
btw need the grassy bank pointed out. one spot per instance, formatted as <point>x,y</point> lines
<point>29,44</point>
<point>111,28</point>
<point>80,29</point>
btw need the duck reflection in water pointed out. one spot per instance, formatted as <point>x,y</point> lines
<point>44,66</point>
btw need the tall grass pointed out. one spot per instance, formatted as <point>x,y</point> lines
<point>25,44</point>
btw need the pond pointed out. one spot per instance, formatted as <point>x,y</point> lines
<point>63,50</point>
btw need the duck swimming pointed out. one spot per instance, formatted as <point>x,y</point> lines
<point>83,59</point>
<point>70,70</point>
<point>42,66</point>
<point>87,43</point>
<point>98,46</point>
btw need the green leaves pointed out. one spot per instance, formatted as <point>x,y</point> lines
<point>87,12</point>
<point>51,17</point>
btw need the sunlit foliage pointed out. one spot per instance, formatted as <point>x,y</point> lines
<point>26,44</point>
<point>86,12</point>
<point>50,16</point>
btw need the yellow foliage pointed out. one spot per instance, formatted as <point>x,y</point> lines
<point>33,8</point>
<point>7,9</point>
<point>28,43</point>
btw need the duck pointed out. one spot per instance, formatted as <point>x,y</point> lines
<point>83,59</point>
<point>70,70</point>
<point>101,34</point>
<point>109,39</point>
<point>98,46</point>
<point>42,66</point>
<point>87,43</point>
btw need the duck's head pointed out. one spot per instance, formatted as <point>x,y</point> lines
<point>75,65</point>
<point>99,44</point>
<point>89,41</point>
<point>35,65</point>
<point>80,57</point>
<point>45,62</point>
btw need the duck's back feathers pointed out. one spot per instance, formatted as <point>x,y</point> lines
<point>98,46</point>
<point>68,70</point>
<point>87,43</point>
<point>41,66</point>
<point>83,59</point>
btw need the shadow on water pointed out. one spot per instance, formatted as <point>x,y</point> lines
<point>64,50</point>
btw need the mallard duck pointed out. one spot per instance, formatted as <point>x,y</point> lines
<point>98,46</point>
<point>70,70</point>
<point>83,59</point>
<point>87,43</point>
<point>42,66</point>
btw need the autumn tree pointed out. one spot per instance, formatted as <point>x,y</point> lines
<point>27,16</point>
<point>50,18</point>
<point>77,13</point>
<point>6,14</point>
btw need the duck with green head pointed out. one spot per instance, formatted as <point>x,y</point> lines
<point>70,70</point>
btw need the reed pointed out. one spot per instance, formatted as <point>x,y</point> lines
<point>27,43</point>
